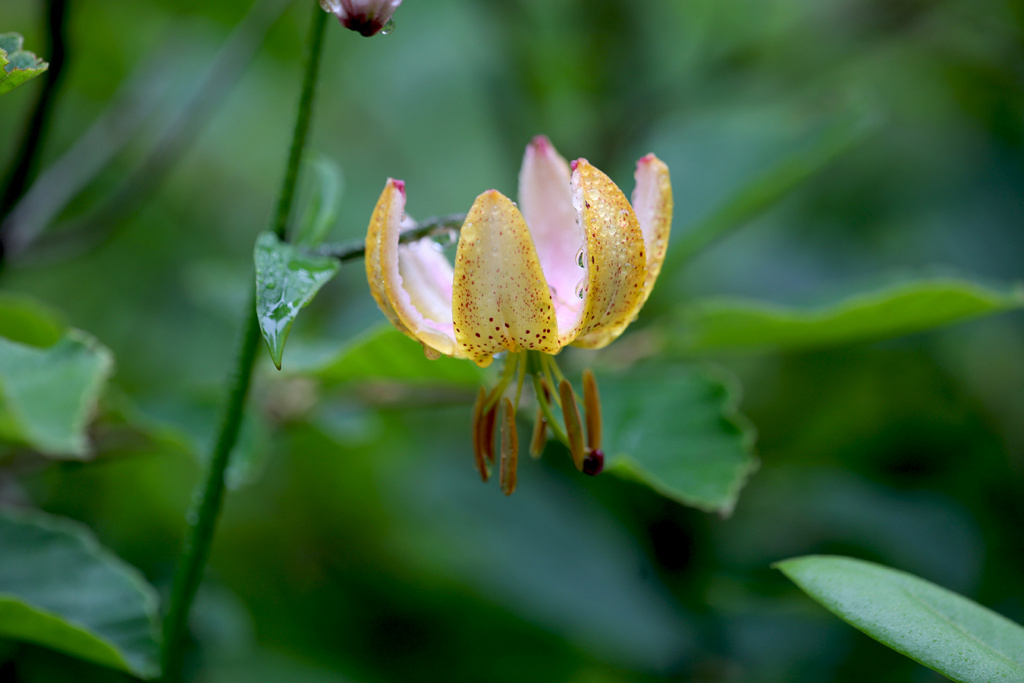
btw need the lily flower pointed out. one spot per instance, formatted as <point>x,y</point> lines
<point>573,263</point>
<point>367,17</point>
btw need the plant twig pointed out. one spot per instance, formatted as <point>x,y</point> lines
<point>431,227</point>
<point>208,505</point>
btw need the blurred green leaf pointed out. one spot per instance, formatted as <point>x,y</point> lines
<point>16,65</point>
<point>320,211</point>
<point>59,588</point>
<point>678,431</point>
<point>287,278</point>
<point>938,628</point>
<point>26,321</point>
<point>772,185</point>
<point>384,353</point>
<point>739,325</point>
<point>50,393</point>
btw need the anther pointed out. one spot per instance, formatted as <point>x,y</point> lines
<point>509,447</point>
<point>540,435</point>
<point>594,462</point>
<point>478,435</point>
<point>592,410</point>
<point>573,427</point>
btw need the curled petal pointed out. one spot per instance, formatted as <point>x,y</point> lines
<point>500,297</point>
<point>652,202</point>
<point>412,284</point>
<point>615,257</point>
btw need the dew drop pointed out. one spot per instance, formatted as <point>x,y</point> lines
<point>581,256</point>
<point>442,239</point>
<point>388,28</point>
<point>581,288</point>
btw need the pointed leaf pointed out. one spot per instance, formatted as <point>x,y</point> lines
<point>737,325</point>
<point>677,430</point>
<point>60,589</point>
<point>287,278</point>
<point>320,211</point>
<point>16,65</point>
<point>50,393</point>
<point>936,627</point>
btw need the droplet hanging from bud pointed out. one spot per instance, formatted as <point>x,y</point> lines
<point>388,28</point>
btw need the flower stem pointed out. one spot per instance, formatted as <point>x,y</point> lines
<point>203,519</point>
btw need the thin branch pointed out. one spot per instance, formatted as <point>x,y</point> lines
<point>440,227</point>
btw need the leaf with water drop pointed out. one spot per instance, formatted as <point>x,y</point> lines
<point>16,65</point>
<point>287,278</point>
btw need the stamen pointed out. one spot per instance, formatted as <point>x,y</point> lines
<point>489,418</point>
<point>478,437</point>
<point>573,427</point>
<point>592,410</point>
<point>509,447</point>
<point>540,434</point>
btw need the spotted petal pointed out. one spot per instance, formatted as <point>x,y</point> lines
<point>412,283</point>
<point>501,300</point>
<point>615,257</point>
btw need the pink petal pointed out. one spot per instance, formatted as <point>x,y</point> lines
<point>545,199</point>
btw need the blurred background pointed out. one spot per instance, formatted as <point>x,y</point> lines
<point>363,546</point>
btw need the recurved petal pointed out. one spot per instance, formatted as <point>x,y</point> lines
<point>615,260</point>
<point>501,300</point>
<point>412,284</point>
<point>652,202</point>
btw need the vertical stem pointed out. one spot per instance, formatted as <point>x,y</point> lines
<point>26,160</point>
<point>203,519</point>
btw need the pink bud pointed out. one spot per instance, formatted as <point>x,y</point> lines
<point>367,17</point>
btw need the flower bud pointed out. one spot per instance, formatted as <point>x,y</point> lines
<point>368,17</point>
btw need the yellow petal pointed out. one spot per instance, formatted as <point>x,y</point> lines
<point>500,298</point>
<point>652,202</point>
<point>410,283</point>
<point>615,257</point>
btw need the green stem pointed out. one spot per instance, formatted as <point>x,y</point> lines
<point>203,519</point>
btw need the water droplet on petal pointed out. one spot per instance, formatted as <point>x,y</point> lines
<point>388,28</point>
<point>581,255</point>
<point>581,288</point>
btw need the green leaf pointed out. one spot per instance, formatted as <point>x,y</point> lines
<point>771,185</point>
<point>936,627</point>
<point>384,353</point>
<point>287,278</point>
<point>26,321</point>
<point>320,210</point>
<point>738,325</point>
<point>60,589</point>
<point>16,65</point>
<point>677,430</point>
<point>50,393</point>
